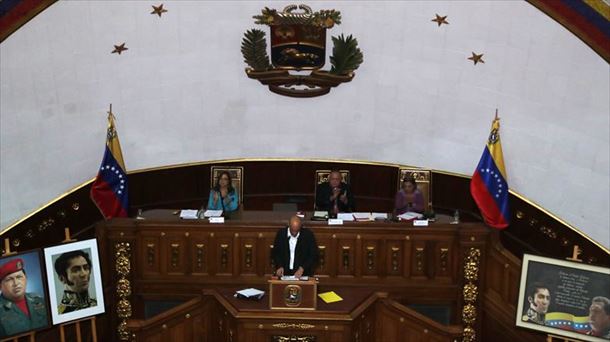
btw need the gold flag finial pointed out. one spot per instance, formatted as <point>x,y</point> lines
<point>110,114</point>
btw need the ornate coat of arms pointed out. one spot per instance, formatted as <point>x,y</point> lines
<point>293,295</point>
<point>298,45</point>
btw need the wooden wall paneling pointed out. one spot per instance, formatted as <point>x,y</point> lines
<point>419,261</point>
<point>502,276</point>
<point>213,256</point>
<point>186,322</point>
<point>443,261</point>
<point>346,257</point>
<point>359,257</point>
<point>407,254</point>
<point>451,192</point>
<point>326,262</point>
<point>387,325</point>
<point>396,259</point>
<point>149,255</point>
<point>199,248</point>
<point>512,286</point>
<point>224,252</point>
<point>367,328</point>
<point>496,278</point>
<point>371,254</point>
<point>236,253</point>
<point>164,187</point>
<point>174,253</point>
<point>396,322</point>
<point>265,264</point>
<point>248,248</point>
<point>188,186</point>
<point>181,329</point>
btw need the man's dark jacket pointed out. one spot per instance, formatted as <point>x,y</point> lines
<point>323,202</point>
<point>305,255</point>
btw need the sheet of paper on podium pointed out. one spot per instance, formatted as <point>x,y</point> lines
<point>320,214</point>
<point>383,216</point>
<point>212,213</point>
<point>362,216</point>
<point>250,293</point>
<point>410,215</point>
<point>330,297</point>
<point>188,214</point>
<point>345,216</point>
<point>291,277</point>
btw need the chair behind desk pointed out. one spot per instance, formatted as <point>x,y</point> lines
<point>321,176</point>
<point>237,179</point>
<point>422,178</point>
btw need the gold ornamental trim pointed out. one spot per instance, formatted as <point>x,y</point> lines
<point>279,338</point>
<point>302,326</point>
<point>471,265</point>
<point>470,292</point>
<point>123,287</point>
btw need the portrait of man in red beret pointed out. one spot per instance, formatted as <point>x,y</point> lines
<point>23,307</point>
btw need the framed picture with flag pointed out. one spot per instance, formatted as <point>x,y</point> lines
<point>24,306</point>
<point>564,298</point>
<point>75,280</point>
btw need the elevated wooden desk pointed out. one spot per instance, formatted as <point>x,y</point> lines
<point>175,258</point>
<point>352,319</point>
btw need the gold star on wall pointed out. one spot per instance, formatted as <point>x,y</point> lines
<point>158,10</point>
<point>476,58</point>
<point>119,48</point>
<point>440,20</point>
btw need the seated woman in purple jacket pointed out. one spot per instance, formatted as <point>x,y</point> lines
<point>409,198</point>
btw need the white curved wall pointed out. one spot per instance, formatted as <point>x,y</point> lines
<point>180,95</point>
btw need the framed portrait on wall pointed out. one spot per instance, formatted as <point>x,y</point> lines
<point>564,298</point>
<point>23,294</point>
<point>75,281</point>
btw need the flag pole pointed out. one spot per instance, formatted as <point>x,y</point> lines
<point>110,115</point>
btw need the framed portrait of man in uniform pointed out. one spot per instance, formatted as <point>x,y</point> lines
<point>23,294</point>
<point>75,281</point>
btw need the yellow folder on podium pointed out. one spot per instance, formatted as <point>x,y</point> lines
<point>330,297</point>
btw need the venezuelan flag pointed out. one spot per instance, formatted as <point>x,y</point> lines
<point>566,321</point>
<point>109,190</point>
<point>488,186</point>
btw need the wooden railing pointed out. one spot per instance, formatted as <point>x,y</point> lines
<point>396,322</point>
<point>196,319</point>
<point>500,295</point>
<point>186,322</point>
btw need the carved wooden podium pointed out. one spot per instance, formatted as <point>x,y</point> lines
<point>293,295</point>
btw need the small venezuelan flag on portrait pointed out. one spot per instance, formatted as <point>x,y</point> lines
<point>109,190</point>
<point>488,186</point>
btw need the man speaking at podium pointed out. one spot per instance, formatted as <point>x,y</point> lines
<point>295,251</point>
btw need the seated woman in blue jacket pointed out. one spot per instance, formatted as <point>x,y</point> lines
<point>223,196</point>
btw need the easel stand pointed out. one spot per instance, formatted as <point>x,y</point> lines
<point>67,236</point>
<point>77,324</point>
<point>550,338</point>
<point>7,248</point>
<point>31,335</point>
